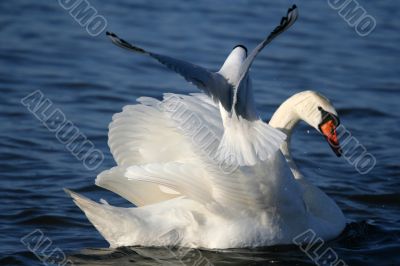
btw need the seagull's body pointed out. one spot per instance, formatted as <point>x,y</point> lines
<point>231,89</point>
<point>205,171</point>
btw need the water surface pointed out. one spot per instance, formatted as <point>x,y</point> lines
<point>89,79</point>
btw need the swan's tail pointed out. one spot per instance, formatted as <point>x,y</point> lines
<point>145,226</point>
<point>108,220</point>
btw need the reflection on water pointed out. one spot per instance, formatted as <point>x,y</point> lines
<point>352,238</point>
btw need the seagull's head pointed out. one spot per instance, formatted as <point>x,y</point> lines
<point>317,111</point>
<point>231,67</point>
<point>240,50</point>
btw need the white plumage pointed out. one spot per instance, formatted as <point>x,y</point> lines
<point>185,198</point>
<point>205,171</point>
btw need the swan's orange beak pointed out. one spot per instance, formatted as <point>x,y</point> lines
<point>328,129</point>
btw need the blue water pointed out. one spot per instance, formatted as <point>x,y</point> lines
<point>44,48</point>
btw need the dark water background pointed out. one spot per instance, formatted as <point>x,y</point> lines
<point>89,79</point>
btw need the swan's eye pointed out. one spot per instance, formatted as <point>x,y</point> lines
<point>326,116</point>
<point>328,126</point>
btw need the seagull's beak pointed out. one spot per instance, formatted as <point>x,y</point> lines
<point>328,129</point>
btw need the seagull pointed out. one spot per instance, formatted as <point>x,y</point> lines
<point>231,89</point>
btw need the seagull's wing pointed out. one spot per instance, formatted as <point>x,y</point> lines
<point>243,98</point>
<point>285,24</point>
<point>213,84</point>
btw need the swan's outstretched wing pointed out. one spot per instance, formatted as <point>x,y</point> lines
<point>213,84</point>
<point>248,189</point>
<point>136,192</point>
<point>188,163</point>
<point>151,169</point>
<point>137,136</point>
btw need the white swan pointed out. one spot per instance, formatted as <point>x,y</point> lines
<point>185,198</point>
<point>171,163</point>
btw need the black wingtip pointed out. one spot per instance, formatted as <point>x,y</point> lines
<point>108,33</point>
<point>290,9</point>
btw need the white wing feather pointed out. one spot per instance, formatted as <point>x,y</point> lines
<point>155,149</point>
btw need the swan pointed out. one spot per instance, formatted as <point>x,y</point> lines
<point>172,164</point>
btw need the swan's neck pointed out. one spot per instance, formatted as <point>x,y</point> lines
<point>303,106</point>
<point>286,119</point>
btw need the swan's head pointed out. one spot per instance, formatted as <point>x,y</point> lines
<point>317,111</point>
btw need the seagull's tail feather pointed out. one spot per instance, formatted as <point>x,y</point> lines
<point>245,143</point>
